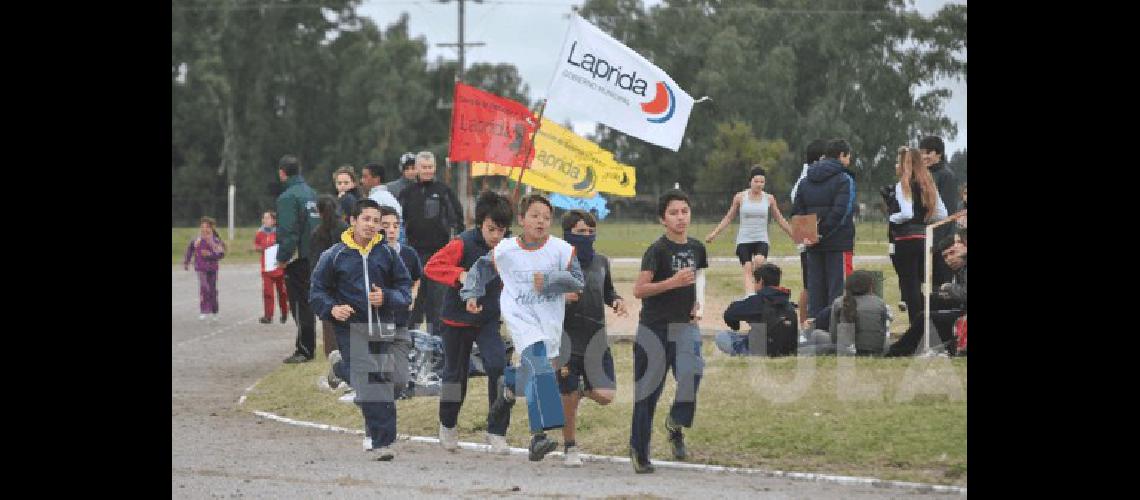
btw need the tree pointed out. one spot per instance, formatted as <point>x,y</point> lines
<point>794,70</point>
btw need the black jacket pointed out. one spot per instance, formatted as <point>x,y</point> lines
<point>431,210</point>
<point>749,309</point>
<point>829,193</point>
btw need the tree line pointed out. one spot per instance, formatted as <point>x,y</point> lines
<point>253,81</point>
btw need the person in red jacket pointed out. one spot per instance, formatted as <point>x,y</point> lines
<point>460,328</point>
<point>266,237</point>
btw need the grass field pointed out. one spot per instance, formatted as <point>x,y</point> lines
<point>751,412</point>
<point>744,418</point>
<point>616,239</point>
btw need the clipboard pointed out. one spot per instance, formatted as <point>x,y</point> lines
<point>805,227</point>
<point>271,259</point>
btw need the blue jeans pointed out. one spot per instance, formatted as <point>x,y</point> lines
<point>543,400</point>
<point>825,279</point>
<point>381,371</point>
<point>457,343</point>
<point>657,349</point>
<point>732,343</point>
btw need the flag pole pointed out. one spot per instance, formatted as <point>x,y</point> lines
<point>515,193</point>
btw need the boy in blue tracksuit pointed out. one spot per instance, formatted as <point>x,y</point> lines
<point>360,284</point>
<point>460,329</point>
<point>828,191</point>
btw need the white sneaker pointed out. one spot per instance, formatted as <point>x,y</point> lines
<point>383,453</point>
<point>448,438</point>
<point>214,318</point>
<point>498,444</point>
<point>348,397</point>
<point>572,458</point>
<point>201,317</point>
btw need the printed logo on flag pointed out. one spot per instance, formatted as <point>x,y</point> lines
<point>662,102</point>
<point>599,78</point>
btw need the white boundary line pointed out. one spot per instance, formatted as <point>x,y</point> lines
<point>800,476</point>
<point>215,332</point>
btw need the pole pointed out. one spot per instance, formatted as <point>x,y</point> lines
<point>515,194</point>
<point>232,193</point>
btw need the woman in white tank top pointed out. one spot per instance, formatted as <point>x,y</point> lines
<point>754,206</point>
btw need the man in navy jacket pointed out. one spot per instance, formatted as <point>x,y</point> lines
<point>828,191</point>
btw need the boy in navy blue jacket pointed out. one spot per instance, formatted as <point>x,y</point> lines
<point>459,328</point>
<point>751,308</point>
<point>360,284</point>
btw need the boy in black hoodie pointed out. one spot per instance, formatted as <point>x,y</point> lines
<point>459,328</point>
<point>589,373</point>
<point>751,309</point>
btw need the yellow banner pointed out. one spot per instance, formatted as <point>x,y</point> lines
<point>568,164</point>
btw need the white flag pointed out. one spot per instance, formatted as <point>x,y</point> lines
<point>614,85</point>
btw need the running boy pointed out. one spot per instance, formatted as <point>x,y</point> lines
<point>360,284</point>
<point>672,287</point>
<point>461,328</point>
<point>585,325</point>
<point>536,269</point>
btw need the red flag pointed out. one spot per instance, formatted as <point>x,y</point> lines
<point>486,127</point>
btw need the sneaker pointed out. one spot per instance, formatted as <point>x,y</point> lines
<point>265,320</point>
<point>348,397</point>
<point>201,317</point>
<point>640,465</point>
<point>902,306</point>
<point>382,454</point>
<point>331,379</point>
<point>572,458</point>
<point>676,438</point>
<point>448,438</point>
<point>214,318</point>
<point>498,444</point>
<point>282,318</point>
<point>297,358</point>
<point>504,401</point>
<point>540,445</point>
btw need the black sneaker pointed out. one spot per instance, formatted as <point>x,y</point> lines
<point>540,445</point>
<point>283,318</point>
<point>504,400</point>
<point>676,438</point>
<point>640,465</point>
<point>265,320</point>
<point>297,358</point>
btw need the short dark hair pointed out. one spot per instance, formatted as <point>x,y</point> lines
<point>837,147</point>
<point>768,273</point>
<point>362,204</point>
<point>493,205</point>
<point>571,218</point>
<point>531,199</point>
<point>671,195</point>
<point>933,143</point>
<point>290,164</point>
<point>386,210</point>
<point>814,150</point>
<point>374,169</point>
<point>756,170</point>
<point>407,160</point>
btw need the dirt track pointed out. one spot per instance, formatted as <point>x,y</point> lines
<point>221,450</point>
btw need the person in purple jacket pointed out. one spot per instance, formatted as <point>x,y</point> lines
<point>206,249</point>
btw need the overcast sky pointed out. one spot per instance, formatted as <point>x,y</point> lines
<point>529,34</point>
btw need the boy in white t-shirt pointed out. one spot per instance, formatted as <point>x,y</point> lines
<point>536,269</point>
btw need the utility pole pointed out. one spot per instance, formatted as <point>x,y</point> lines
<point>465,194</point>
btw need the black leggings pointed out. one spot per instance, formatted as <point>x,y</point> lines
<point>910,265</point>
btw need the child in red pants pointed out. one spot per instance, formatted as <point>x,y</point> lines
<point>266,237</point>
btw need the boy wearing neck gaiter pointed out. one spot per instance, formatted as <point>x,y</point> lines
<point>589,372</point>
